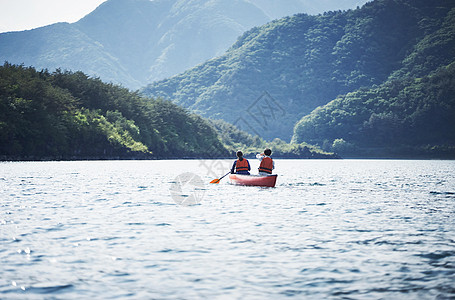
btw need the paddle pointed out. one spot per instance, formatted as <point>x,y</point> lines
<point>218,180</point>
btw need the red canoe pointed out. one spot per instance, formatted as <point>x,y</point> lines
<point>256,180</point>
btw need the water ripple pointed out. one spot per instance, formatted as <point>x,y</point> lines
<point>349,229</point>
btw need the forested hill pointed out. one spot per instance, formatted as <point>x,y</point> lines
<point>64,115</point>
<point>412,117</point>
<point>306,61</point>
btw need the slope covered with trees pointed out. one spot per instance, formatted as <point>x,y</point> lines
<point>306,61</point>
<point>402,118</point>
<point>64,115</point>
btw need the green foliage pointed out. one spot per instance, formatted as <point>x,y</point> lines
<point>341,146</point>
<point>405,117</point>
<point>436,49</point>
<point>69,115</point>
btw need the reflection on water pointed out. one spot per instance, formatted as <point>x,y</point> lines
<point>331,228</point>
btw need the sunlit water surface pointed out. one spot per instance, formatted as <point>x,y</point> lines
<point>355,229</point>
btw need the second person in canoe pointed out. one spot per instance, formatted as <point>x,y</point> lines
<point>267,164</point>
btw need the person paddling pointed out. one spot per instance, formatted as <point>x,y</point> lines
<point>267,163</point>
<point>241,165</point>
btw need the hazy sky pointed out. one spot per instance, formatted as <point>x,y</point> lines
<point>27,14</point>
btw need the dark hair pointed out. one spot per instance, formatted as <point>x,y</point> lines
<point>267,152</point>
<point>240,155</point>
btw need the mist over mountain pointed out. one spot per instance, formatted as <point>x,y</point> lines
<point>157,39</point>
<point>278,73</point>
<point>135,42</point>
<point>278,9</point>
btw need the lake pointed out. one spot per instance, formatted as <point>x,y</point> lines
<point>355,229</point>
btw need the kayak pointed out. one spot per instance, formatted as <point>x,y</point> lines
<point>256,180</point>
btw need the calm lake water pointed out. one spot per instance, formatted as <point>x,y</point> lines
<point>354,229</point>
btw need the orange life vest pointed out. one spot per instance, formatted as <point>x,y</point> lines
<point>241,165</point>
<point>266,165</point>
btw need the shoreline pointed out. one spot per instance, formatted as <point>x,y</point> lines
<point>50,159</point>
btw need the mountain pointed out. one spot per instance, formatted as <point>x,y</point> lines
<point>135,42</point>
<point>65,115</point>
<point>278,73</point>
